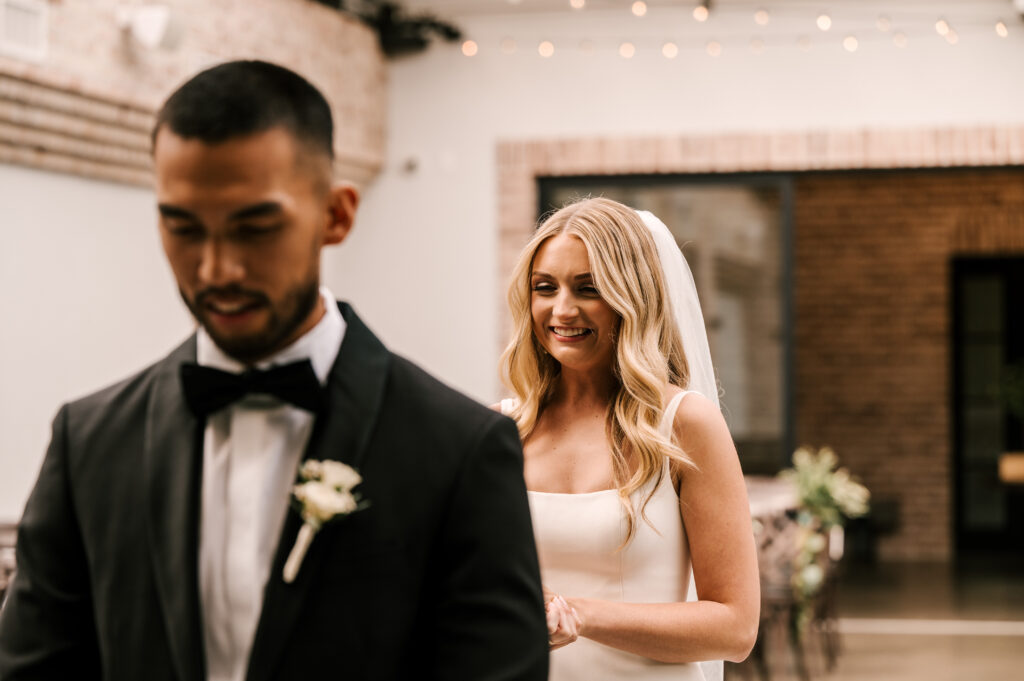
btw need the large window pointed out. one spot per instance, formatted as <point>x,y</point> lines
<point>733,232</point>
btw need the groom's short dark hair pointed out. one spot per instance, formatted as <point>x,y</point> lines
<point>242,98</point>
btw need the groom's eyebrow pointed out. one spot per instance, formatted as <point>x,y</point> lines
<point>169,211</point>
<point>263,209</point>
<point>258,210</point>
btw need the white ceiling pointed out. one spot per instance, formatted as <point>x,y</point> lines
<point>729,19</point>
<point>452,8</point>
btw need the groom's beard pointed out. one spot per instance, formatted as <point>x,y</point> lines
<point>283,319</point>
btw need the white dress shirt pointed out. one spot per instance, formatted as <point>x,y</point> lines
<point>251,450</point>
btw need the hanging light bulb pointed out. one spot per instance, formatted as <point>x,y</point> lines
<point>577,4</point>
<point>951,37</point>
<point>470,48</point>
<point>899,39</point>
<point>884,23</point>
<point>639,8</point>
<point>714,48</point>
<point>546,49</point>
<point>761,17</point>
<point>627,50</point>
<point>850,43</point>
<point>1001,29</point>
<point>824,22</point>
<point>942,27</point>
<point>670,50</point>
<point>700,13</point>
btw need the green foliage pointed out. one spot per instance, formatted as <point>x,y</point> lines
<point>399,32</point>
<point>827,497</point>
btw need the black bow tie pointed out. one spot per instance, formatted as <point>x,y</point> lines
<point>208,390</point>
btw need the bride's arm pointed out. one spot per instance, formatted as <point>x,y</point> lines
<point>722,623</point>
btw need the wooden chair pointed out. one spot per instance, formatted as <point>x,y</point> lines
<point>778,538</point>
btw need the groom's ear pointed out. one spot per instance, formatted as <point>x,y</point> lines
<point>342,204</point>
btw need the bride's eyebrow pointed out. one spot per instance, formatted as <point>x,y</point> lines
<point>578,277</point>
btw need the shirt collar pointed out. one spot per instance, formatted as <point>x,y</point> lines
<point>320,345</point>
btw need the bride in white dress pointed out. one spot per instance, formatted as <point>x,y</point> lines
<point>634,480</point>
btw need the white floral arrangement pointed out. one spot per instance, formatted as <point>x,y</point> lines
<point>324,493</point>
<point>827,493</point>
<point>828,496</point>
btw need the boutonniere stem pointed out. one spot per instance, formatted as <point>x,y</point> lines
<point>298,552</point>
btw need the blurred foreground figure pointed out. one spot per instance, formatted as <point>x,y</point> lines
<point>166,537</point>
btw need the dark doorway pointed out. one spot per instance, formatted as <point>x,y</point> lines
<point>988,401</point>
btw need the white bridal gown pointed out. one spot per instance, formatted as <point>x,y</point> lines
<point>578,538</point>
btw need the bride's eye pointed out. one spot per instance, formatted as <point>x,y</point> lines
<point>543,287</point>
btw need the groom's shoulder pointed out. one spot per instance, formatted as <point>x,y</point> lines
<point>427,394</point>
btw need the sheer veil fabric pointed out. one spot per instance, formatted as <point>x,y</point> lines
<point>682,294</point>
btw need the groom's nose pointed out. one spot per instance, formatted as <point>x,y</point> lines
<point>220,264</point>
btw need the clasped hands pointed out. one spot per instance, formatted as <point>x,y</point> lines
<point>563,620</point>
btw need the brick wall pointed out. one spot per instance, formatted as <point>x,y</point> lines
<point>873,322</point>
<point>87,107</point>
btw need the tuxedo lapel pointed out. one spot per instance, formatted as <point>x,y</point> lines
<point>355,392</point>
<point>173,471</point>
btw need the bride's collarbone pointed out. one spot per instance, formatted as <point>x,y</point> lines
<point>568,452</point>
<point>576,442</point>
<point>568,461</point>
<point>568,479</point>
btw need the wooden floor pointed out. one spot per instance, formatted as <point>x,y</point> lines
<point>913,622</point>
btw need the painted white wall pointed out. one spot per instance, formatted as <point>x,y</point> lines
<point>424,268</point>
<point>85,298</point>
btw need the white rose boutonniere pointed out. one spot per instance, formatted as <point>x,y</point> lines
<point>324,492</point>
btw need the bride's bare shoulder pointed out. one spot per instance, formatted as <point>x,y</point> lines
<point>505,406</point>
<point>669,392</point>
<point>696,410</point>
<point>699,423</point>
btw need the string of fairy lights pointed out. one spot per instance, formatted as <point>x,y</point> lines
<point>820,29</point>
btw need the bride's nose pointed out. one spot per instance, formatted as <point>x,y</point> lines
<point>566,306</point>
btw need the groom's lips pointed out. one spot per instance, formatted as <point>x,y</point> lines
<point>231,311</point>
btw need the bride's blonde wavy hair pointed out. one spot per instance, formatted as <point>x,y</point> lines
<point>648,349</point>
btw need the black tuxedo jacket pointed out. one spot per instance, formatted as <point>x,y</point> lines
<point>436,579</point>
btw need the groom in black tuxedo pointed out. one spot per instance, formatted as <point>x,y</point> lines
<point>154,543</point>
